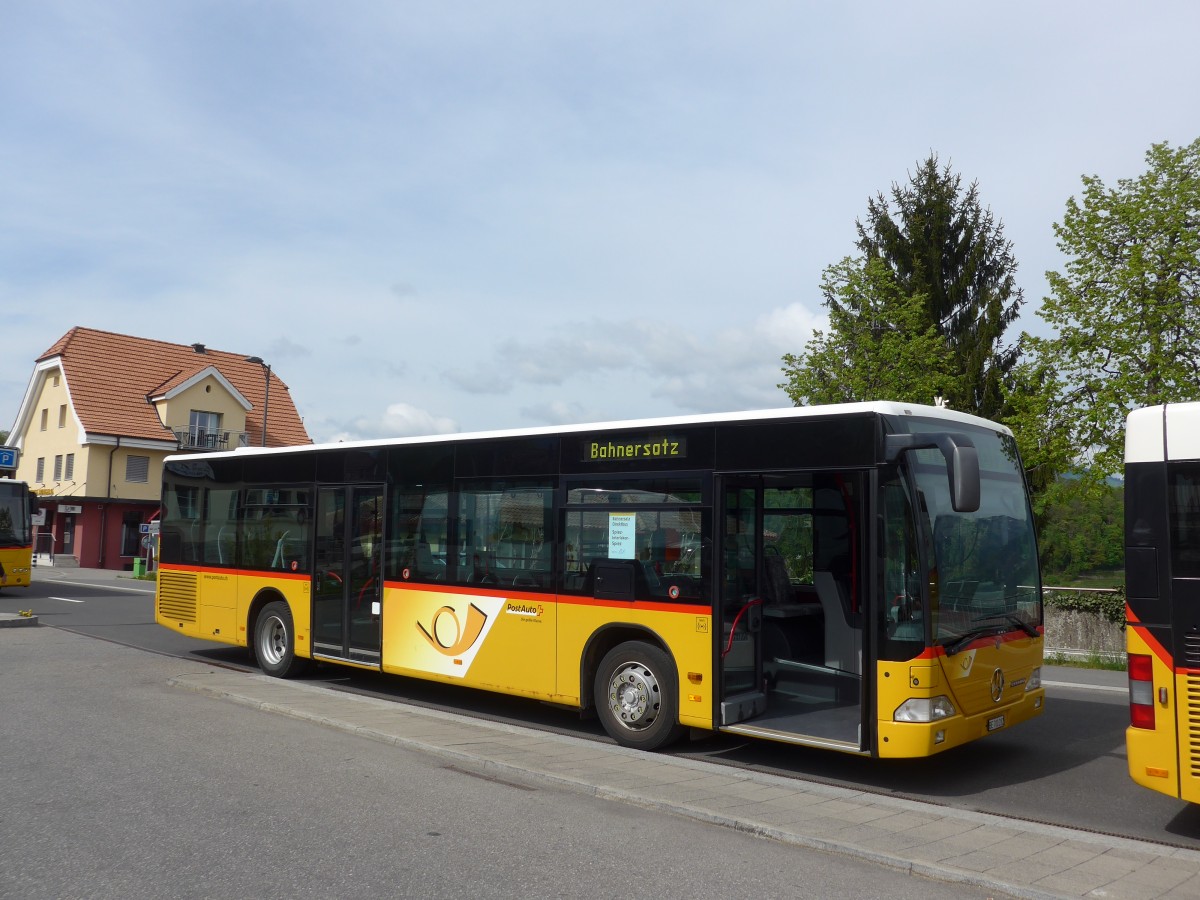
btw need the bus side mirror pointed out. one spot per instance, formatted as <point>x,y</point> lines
<point>962,463</point>
<point>34,506</point>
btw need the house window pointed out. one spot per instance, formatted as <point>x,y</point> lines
<point>41,470</point>
<point>54,380</point>
<point>58,467</point>
<point>69,474</point>
<point>137,469</point>
<point>45,417</point>
<point>204,428</point>
<point>62,416</point>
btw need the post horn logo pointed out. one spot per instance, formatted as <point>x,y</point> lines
<point>453,639</point>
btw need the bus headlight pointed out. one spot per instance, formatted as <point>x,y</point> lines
<point>924,709</point>
<point>1035,680</point>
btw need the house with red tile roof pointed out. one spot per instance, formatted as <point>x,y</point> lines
<point>103,410</point>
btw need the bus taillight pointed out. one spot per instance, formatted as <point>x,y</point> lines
<point>1141,691</point>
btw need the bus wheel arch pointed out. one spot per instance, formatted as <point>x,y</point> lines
<point>273,636</point>
<point>636,690</point>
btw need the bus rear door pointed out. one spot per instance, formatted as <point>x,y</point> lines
<point>347,578</point>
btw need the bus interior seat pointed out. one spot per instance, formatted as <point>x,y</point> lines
<point>225,545</point>
<point>617,579</point>
<point>777,587</point>
<point>843,642</point>
<point>426,565</point>
<point>277,561</point>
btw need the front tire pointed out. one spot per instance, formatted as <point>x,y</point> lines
<point>275,642</point>
<point>637,696</point>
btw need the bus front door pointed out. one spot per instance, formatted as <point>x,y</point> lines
<point>347,582</point>
<point>790,631</point>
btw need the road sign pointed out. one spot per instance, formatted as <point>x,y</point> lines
<point>9,457</point>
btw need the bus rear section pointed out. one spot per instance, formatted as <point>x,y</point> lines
<point>1162,587</point>
<point>17,506</point>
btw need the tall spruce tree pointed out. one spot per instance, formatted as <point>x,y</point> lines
<point>942,245</point>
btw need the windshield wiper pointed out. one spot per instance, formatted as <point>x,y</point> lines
<point>1013,619</point>
<point>975,633</point>
<point>963,639</point>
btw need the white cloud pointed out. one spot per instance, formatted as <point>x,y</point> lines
<point>528,214</point>
<point>398,420</point>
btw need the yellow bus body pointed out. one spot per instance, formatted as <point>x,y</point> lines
<point>533,645</point>
<point>966,679</point>
<point>17,565</point>
<point>216,604</point>
<point>1158,759</point>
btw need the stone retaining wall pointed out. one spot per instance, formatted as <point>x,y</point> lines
<point>1082,635</point>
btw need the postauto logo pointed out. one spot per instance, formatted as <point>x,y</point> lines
<point>453,633</point>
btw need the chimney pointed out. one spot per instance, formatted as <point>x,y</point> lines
<point>199,348</point>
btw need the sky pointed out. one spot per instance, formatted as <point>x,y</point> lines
<point>446,216</point>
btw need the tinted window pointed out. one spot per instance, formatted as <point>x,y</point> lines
<point>504,534</point>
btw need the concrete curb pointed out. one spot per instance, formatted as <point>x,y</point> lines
<point>15,620</point>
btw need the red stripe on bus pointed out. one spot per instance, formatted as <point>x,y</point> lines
<point>245,573</point>
<point>534,597</point>
<point>1152,642</point>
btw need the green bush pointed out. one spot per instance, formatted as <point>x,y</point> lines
<point>1108,604</point>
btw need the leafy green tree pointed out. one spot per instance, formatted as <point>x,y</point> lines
<point>1126,311</point>
<point>1083,530</point>
<point>943,246</point>
<point>1039,425</point>
<point>880,345</point>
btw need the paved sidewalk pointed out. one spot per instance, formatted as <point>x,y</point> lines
<point>1007,856</point>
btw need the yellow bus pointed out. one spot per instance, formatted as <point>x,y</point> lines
<point>17,506</point>
<point>1162,591</point>
<point>859,577</point>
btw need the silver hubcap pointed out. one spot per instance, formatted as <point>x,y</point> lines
<point>273,642</point>
<point>633,696</point>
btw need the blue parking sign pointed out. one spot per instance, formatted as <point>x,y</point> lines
<point>9,457</point>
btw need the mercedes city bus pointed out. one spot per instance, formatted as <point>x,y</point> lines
<point>860,577</point>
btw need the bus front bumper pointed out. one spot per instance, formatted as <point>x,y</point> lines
<point>909,740</point>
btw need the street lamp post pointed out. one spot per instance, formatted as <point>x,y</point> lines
<point>266,393</point>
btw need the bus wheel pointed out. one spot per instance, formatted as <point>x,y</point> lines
<point>637,697</point>
<point>275,641</point>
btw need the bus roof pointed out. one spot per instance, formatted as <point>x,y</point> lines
<point>878,407</point>
<point>1164,432</point>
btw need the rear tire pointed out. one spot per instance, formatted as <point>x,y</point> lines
<point>275,642</point>
<point>637,696</point>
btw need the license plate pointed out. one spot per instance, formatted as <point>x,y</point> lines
<point>995,723</point>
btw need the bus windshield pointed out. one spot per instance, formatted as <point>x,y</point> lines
<point>14,515</point>
<point>982,574</point>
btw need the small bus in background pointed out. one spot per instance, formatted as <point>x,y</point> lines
<point>17,506</point>
<point>861,577</point>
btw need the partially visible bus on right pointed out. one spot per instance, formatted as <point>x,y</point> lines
<point>1162,584</point>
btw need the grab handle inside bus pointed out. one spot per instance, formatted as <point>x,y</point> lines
<point>962,463</point>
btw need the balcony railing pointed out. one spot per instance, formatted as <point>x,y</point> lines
<point>197,439</point>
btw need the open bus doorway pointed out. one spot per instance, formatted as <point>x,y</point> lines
<point>791,607</point>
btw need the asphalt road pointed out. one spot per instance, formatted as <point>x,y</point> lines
<point>1067,767</point>
<point>117,785</point>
